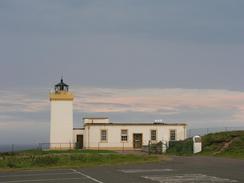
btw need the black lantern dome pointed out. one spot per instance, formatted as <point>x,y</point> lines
<point>60,87</point>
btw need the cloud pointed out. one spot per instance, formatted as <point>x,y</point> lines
<point>197,104</point>
<point>26,112</point>
<point>143,100</point>
<point>22,101</point>
<point>156,99</point>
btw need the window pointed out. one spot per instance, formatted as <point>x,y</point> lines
<point>153,135</point>
<point>172,135</point>
<point>124,135</point>
<point>103,135</point>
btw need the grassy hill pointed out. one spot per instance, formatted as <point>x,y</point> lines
<point>229,144</point>
<point>226,144</point>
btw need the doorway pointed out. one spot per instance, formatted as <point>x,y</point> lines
<point>79,141</point>
<point>137,140</point>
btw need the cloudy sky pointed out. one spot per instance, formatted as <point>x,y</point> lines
<point>130,60</point>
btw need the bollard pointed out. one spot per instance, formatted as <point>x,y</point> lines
<point>197,144</point>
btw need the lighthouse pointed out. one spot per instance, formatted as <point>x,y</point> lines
<point>61,117</point>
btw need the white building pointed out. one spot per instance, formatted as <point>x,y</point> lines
<point>100,133</point>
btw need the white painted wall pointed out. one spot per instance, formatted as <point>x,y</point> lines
<point>61,127</point>
<point>77,132</point>
<point>92,135</point>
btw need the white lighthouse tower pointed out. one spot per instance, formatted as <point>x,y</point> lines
<point>61,119</point>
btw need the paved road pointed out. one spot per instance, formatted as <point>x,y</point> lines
<point>177,170</point>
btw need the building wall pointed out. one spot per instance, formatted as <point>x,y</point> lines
<point>77,132</point>
<point>92,139</point>
<point>61,127</point>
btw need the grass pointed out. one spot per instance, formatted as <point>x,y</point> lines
<point>64,159</point>
<point>46,152</point>
<point>222,144</point>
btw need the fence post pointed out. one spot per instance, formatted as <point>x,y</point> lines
<point>149,147</point>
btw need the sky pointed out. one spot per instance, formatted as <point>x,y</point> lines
<point>130,60</point>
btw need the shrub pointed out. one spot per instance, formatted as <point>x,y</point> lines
<point>45,160</point>
<point>181,147</point>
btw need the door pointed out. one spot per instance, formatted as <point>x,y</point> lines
<point>79,141</point>
<point>137,140</point>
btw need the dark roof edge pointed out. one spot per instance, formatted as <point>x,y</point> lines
<point>78,128</point>
<point>95,118</point>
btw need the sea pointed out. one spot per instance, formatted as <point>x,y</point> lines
<point>17,147</point>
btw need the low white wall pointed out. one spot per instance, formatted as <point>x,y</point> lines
<point>92,135</point>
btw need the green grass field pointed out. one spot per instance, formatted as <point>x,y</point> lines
<point>72,158</point>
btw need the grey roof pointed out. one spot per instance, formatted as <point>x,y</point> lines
<point>95,118</point>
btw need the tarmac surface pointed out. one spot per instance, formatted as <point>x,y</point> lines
<point>177,170</point>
